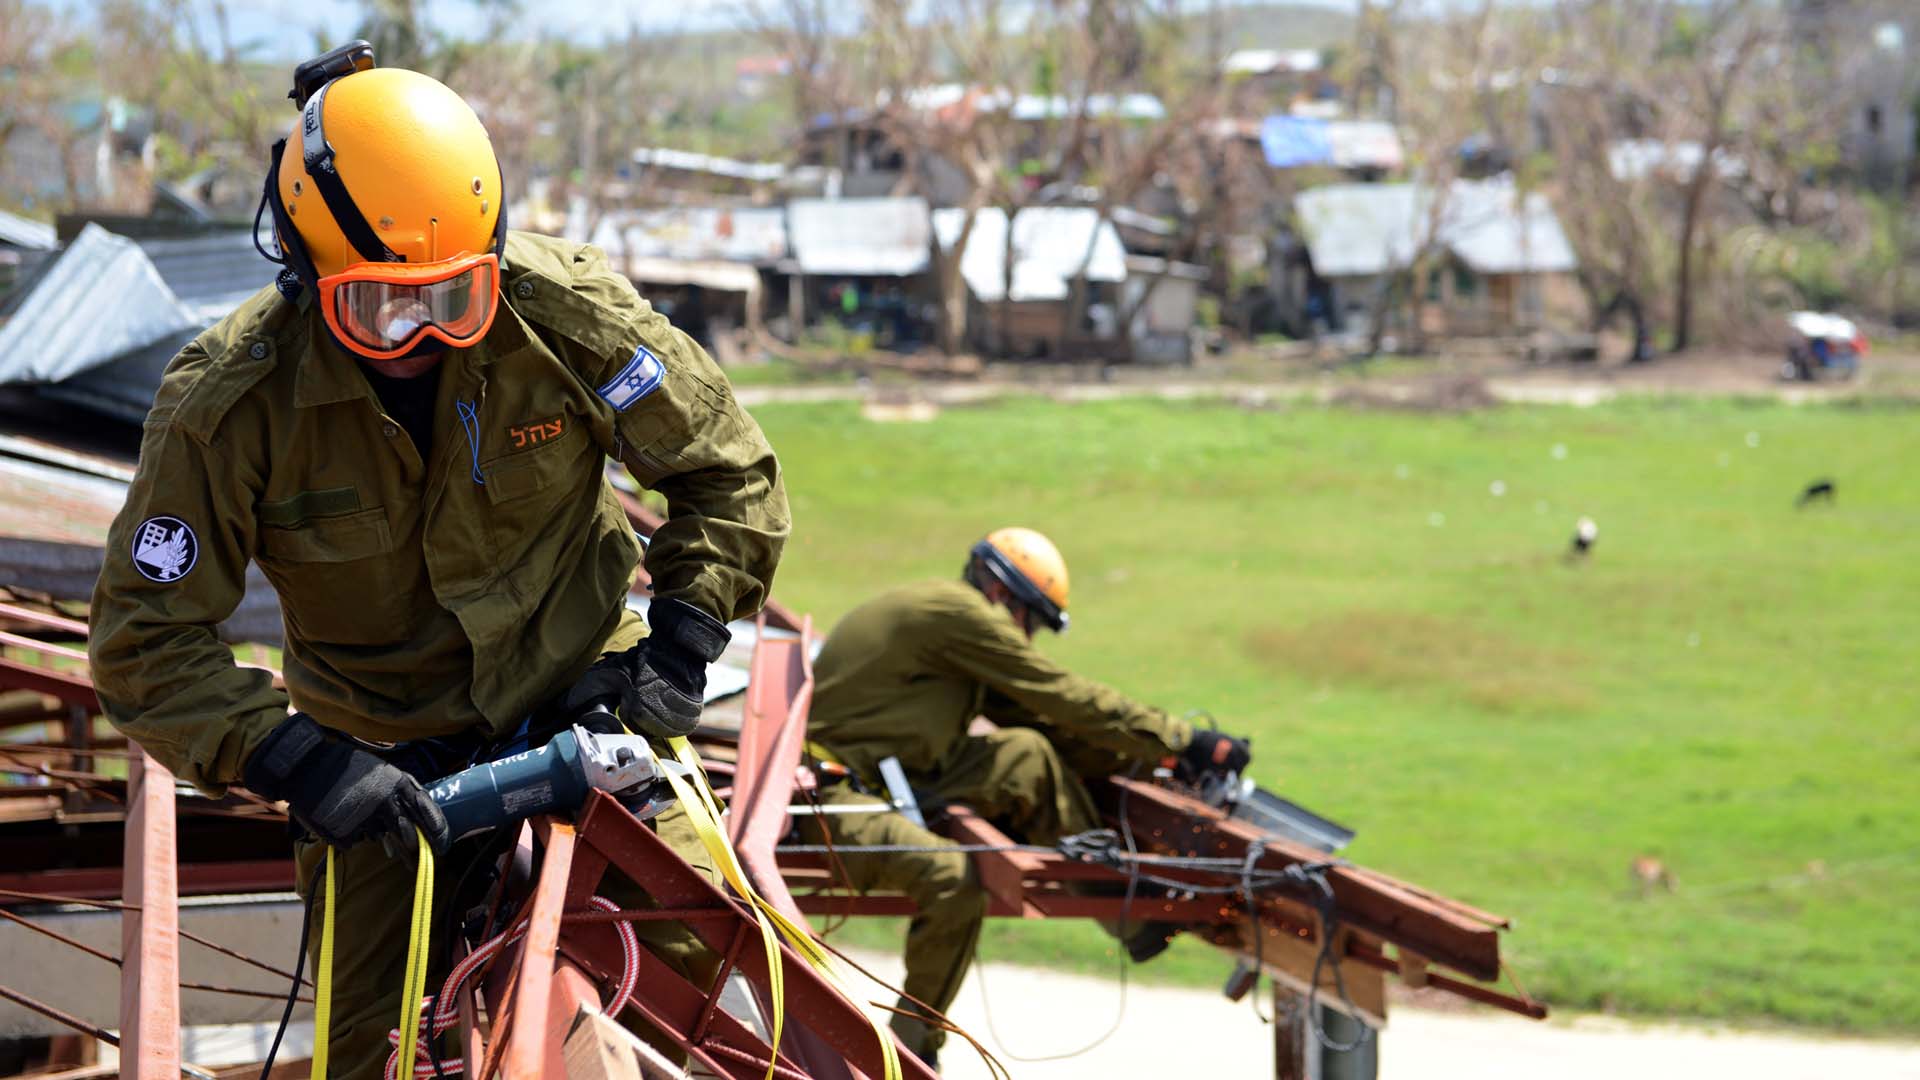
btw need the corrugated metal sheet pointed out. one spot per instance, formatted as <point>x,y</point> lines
<point>41,501</point>
<point>860,237</point>
<point>26,233</point>
<point>706,273</point>
<point>100,299</point>
<point>211,273</point>
<point>55,509</point>
<point>753,235</point>
<point>123,388</point>
<point>667,158</point>
<point>1365,229</point>
<point>1050,244</point>
<point>1061,107</point>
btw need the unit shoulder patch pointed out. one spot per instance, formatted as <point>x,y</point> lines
<point>642,376</point>
<point>165,549</point>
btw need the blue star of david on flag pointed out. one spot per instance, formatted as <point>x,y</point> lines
<point>642,376</point>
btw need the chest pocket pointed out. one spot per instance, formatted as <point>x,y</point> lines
<point>541,499</point>
<point>340,578</point>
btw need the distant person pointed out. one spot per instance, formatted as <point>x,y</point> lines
<point>905,674</point>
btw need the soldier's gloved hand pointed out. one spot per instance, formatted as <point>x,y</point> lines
<point>660,683</point>
<point>341,793</point>
<point>1212,752</point>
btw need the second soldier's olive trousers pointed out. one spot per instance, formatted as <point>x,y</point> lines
<point>373,897</point>
<point>1014,777</point>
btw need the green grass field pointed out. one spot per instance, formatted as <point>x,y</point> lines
<point>1729,685</point>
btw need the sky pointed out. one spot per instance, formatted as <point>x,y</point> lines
<point>286,29</point>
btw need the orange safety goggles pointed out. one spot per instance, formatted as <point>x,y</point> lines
<point>382,310</point>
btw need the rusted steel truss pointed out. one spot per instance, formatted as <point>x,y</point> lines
<point>1280,930</point>
<point>516,1021</point>
<point>571,949</point>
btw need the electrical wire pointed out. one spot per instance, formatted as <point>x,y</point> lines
<point>1126,908</point>
<point>293,994</point>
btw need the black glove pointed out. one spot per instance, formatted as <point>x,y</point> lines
<point>341,793</point>
<point>658,684</point>
<point>1212,752</point>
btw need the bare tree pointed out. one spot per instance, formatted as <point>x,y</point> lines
<point>1713,53</point>
<point>1444,77</point>
<point>1151,91</point>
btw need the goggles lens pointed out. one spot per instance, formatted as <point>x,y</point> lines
<point>388,315</point>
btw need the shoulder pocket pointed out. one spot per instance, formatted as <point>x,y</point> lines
<point>330,540</point>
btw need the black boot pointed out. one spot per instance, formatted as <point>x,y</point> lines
<point>1149,941</point>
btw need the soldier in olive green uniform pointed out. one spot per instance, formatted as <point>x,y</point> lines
<point>413,449</point>
<point>905,674</point>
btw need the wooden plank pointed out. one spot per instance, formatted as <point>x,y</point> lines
<point>150,930</point>
<point>572,992</point>
<point>595,1050</point>
<point>1287,959</point>
<point>1413,968</point>
<point>600,1049</point>
<point>1292,1036</point>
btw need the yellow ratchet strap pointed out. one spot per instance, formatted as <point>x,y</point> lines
<point>323,979</point>
<point>416,984</point>
<point>704,812</point>
<point>417,942</point>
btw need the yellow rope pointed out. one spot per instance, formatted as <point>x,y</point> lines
<point>704,812</point>
<point>323,980</point>
<point>417,950</point>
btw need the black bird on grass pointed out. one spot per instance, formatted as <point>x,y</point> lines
<point>1819,489</point>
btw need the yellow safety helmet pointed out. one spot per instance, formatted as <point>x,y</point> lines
<point>1030,567</point>
<point>388,202</point>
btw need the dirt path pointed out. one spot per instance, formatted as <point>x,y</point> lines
<point>1172,1032</point>
<point>1443,384</point>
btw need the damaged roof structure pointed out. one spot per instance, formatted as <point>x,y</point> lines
<point>101,320</point>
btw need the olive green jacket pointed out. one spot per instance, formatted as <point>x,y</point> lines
<point>905,673</point>
<point>421,597</point>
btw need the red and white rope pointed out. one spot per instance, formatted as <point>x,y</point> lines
<point>447,1012</point>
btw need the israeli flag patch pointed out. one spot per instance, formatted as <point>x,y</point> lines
<point>642,376</point>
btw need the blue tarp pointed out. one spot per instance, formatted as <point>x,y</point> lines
<point>1292,141</point>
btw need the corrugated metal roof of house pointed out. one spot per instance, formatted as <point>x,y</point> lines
<point>860,237</point>
<point>1364,229</point>
<point>1051,245</point>
<point>212,273</point>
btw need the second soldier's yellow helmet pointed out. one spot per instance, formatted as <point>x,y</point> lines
<point>1028,564</point>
